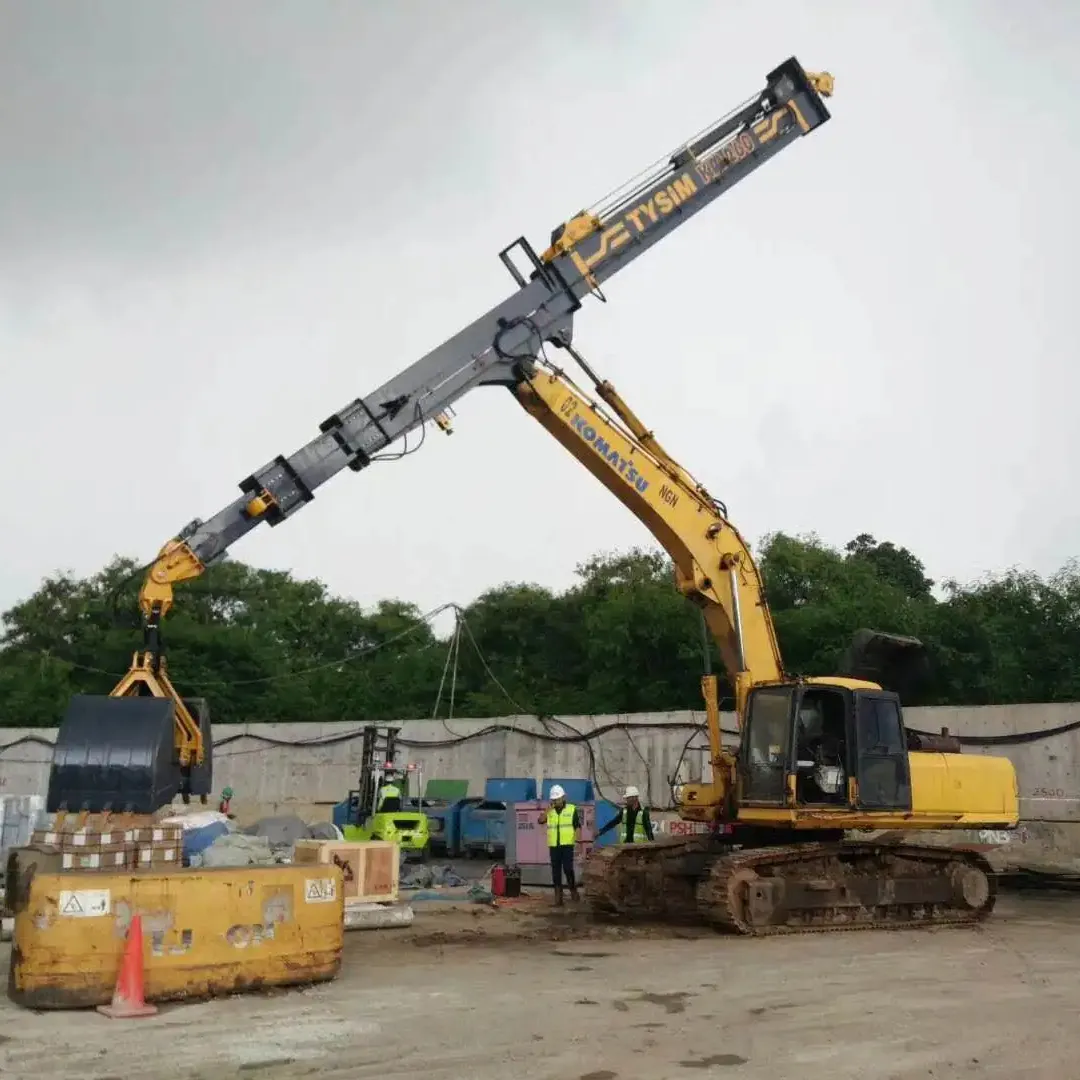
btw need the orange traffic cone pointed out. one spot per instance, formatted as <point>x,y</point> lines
<point>128,1001</point>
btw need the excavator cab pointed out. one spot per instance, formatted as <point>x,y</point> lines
<point>836,743</point>
<point>824,745</point>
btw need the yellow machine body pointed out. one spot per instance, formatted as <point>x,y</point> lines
<point>948,791</point>
<point>205,932</point>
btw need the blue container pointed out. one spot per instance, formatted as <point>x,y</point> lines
<point>345,813</point>
<point>482,822</point>
<point>444,824</point>
<point>506,789</point>
<point>483,828</point>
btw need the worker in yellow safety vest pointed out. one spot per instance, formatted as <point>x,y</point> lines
<point>389,798</point>
<point>635,817</point>
<point>563,821</point>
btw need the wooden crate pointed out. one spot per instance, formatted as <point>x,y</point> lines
<point>369,869</point>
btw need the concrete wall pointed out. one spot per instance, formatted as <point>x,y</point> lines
<point>321,762</point>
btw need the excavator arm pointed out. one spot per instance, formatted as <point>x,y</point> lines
<point>713,565</point>
<point>595,244</point>
<point>714,568</point>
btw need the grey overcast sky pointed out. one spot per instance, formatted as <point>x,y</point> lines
<point>221,220</point>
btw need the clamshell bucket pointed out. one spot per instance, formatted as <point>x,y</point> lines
<point>895,662</point>
<point>115,753</point>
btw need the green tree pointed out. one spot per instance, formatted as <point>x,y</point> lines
<point>1009,639</point>
<point>896,565</point>
<point>819,598</point>
<point>257,643</point>
<point>260,644</point>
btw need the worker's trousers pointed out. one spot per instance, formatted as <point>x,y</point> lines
<point>562,863</point>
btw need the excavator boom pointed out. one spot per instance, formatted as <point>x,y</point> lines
<point>714,568</point>
<point>586,251</point>
<point>713,565</point>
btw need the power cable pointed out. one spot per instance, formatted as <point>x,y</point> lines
<point>575,736</point>
<point>454,670</point>
<point>348,658</point>
<point>451,664</point>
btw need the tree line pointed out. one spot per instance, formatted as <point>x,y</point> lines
<point>262,645</point>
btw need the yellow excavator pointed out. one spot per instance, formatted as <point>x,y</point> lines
<point>817,757</point>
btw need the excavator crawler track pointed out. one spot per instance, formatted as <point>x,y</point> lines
<point>800,888</point>
<point>645,881</point>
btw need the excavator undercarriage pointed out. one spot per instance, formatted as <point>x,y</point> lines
<point>801,887</point>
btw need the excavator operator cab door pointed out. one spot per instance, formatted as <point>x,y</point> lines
<point>765,750</point>
<point>822,762</point>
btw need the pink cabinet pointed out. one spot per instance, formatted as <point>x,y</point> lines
<point>526,842</point>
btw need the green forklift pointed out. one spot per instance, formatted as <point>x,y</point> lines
<point>387,804</point>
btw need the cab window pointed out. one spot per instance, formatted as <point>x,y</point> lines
<point>767,744</point>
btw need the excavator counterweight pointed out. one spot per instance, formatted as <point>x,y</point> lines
<point>894,661</point>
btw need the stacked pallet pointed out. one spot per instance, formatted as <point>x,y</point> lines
<point>111,842</point>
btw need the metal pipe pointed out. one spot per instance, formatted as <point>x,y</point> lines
<point>736,608</point>
<point>706,644</point>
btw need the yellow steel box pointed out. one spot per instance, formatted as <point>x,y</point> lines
<point>205,932</point>
<point>369,868</point>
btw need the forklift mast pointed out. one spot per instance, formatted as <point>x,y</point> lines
<point>379,755</point>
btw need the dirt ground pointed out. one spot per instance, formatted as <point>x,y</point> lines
<point>476,994</point>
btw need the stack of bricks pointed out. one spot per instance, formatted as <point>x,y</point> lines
<point>112,842</point>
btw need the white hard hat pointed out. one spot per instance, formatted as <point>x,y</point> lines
<point>557,792</point>
<point>631,792</point>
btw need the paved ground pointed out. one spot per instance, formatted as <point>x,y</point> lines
<point>479,995</point>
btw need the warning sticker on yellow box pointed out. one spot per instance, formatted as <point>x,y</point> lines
<point>85,903</point>
<point>320,890</point>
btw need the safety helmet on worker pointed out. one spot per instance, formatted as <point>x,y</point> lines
<point>557,792</point>
<point>631,793</point>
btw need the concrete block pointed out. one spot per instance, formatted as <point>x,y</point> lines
<point>377,916</point>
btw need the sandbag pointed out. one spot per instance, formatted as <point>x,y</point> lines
<point>282,831</point>
<point>237,849</point>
